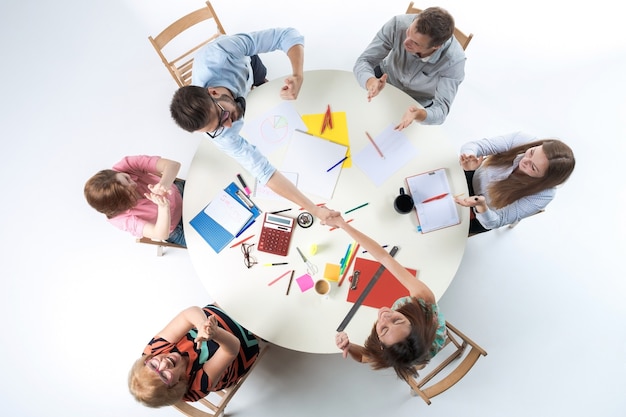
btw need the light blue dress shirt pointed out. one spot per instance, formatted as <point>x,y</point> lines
<point>225,62</point>
<point>486,175</point>
<point>431,82</point>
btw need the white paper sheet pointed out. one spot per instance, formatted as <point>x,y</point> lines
<point>397,151</point>
<point>274,128</point>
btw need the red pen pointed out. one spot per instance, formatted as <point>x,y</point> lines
<point>437,197</point>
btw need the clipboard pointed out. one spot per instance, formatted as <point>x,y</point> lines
<point>434,203</point>
<point>384,293</point>
<point>232,213</point>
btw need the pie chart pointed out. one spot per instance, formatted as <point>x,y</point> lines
<point>274,129</point>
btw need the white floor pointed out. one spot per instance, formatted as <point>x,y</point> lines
<point>82,87</point>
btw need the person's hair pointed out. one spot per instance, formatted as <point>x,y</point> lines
<point>190,107</point>
<point>436,23</point>
<point>414,350</point>
<point>147,388</point>
<point>561,163</point>
<point>107,195</point>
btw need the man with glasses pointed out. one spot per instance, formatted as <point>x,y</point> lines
<point>419,55</point>
<point>224,72</point>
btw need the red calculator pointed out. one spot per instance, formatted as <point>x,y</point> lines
<point>276,234</point>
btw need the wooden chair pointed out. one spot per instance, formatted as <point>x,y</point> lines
<point>180,67</point>
<point>160,244</point>
<point>224,396</point>
<point>463,39</point>
<point>433,383</point>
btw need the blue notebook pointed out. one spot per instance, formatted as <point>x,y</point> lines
<point>228,215</point>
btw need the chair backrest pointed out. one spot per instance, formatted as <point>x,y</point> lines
<point>180,67</point>
<point>463,39</point>
<point>223,397</point>
<point>437,381</point>
<point>160,244</point>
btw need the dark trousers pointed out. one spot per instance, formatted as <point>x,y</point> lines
<point>475,226</point>
<point>259,71</point>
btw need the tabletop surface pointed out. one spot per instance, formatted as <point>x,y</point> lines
<point>304,320</point>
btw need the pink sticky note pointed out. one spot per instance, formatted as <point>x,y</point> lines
<point>305,282</point>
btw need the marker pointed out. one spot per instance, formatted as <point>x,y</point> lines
<point>437,197</point>
<point>276,264</point>
<point>375,146</point>
<point>328,170</point>
<point>280,211</point>
<point>345,271</point>
<point>241,241</point>
<point>356,208</point>
<point>243,183</point>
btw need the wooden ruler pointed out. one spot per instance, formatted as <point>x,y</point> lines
<point>366,291</point>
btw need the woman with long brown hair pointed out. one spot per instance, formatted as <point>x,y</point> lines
<point>406,334</point>
<point>511,177</point>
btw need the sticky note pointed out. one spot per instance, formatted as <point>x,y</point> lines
<point>331,272</point>
<point>305,282</point>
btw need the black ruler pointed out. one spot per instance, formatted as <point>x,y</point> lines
<point>366,291</point>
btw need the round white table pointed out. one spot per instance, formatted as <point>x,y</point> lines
<point>305,321</point>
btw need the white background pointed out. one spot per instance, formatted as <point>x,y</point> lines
<point>81,87</point>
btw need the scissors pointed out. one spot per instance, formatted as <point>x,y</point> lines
<point>310,267</point>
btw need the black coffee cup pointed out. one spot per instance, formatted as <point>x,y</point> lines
<point>403,203</point>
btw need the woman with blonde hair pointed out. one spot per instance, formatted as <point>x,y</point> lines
<point>512,176</point>
<point>200,351</point>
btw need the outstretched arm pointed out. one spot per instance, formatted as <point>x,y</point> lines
<point>416,287</point>
<point>285,188</point>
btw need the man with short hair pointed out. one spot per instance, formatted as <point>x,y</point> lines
<point>224,72</point>
<point>419,55</point>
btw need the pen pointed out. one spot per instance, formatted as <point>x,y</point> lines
<point>274,281</point>
<point>356,208</point>
<point>243,183</point>
<point>241,241</point>
<point>347,221</point>
<point>437,197</point>
<point>280,211</point>
<point>344,158</point>
<point>276,264</point>
<point>375,146</point>
<point>290,281</point>
<point>342,263</point>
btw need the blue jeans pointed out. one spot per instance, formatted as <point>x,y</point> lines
<point>178,236</point>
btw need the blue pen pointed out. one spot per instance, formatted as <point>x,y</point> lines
<point>328,170</point>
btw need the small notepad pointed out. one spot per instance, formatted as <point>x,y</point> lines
<point>436,213</point>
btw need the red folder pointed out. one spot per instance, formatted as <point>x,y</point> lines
<point>385,292</point>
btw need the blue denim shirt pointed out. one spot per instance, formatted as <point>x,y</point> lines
<point>225,62</point>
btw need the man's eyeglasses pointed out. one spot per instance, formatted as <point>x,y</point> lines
<point>153,365</point>
<point>248,259</point>
<point>224,115</point>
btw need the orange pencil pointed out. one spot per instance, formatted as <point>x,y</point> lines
<point>241,241</point>
<point>375,146</point>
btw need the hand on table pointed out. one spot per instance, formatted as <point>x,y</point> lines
<point>470,162</point>
<point>374,86</point>
<point>343,343</point>
<point>291,89</point>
